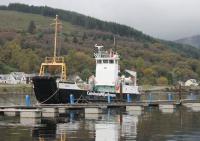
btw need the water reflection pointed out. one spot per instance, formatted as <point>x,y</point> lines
<point>109,126</point>
<point>129,127</point>
<point>30,121</point>
<point>112,125</point>
<point>106,132</point>
<point>168,111</point>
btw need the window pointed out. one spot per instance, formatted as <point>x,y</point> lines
<point>111,61</point>
<point>116,61</point>
<point>105,61</point>
<point>99,61</point>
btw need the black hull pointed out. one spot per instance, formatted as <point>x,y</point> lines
<point>46,92</point>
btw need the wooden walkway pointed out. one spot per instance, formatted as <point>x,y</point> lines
<point>102,105</point>
<point>93,105</point>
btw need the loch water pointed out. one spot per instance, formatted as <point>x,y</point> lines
<point>113,124</point>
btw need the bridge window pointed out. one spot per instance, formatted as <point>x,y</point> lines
<point>111,61</point>
<point>105,61</point>
<point>99,61</point>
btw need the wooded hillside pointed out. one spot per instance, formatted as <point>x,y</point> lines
<point>26,38</point>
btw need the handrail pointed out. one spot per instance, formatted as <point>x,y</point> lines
<point>54,59</point>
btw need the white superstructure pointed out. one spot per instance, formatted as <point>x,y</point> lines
<point>107,67</point>
<point>107,77</point>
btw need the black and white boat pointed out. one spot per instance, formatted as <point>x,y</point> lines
<point>105,84</point>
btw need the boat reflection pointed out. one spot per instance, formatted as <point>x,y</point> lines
<point>102,127</point>
<point>106,132</point>
<point>62,137</point>
<point>129,127</point>
<point>30,121</point>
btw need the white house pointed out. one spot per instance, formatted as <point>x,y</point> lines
<point>3,78</point>
<point>16,78</point>
<point>191,82</point>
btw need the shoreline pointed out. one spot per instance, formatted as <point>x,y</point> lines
<point>16,89</point>
<point>28,88</point>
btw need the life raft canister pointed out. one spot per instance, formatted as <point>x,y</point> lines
<point>117,88</point>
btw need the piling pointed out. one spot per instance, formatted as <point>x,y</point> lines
<point>167,108</point>
<point>93,110</point>
<point>30,121</point>
<point>61,110</point>
<point>28,100</point>
<point>30,113</point>
<point>134,108</point>
<point>49,112</point>
<point>108,98</point>
<point>150,98</point>
<point>193,106</point>
<point>92,116</point>
<point>128,98</point>
<point>11,112</point>
<point>71,99</point>
<point>192,96</point>
<point>169,97</point>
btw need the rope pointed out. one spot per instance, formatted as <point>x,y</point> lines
<point>49,97</point>
<point>81,98</point>
<point>78,99</point>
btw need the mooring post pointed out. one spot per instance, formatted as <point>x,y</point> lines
<point>150,97</point>
<point>71,99</point>
<point>192,96</point>
<point>28,100</point>
<point>71,115</point>
<point>128,98</point>
<point>108,98</point>
<point>169,97</point>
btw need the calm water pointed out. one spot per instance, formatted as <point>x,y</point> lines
<point>152,124</point>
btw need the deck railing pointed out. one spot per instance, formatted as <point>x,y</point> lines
<point>54,60</point>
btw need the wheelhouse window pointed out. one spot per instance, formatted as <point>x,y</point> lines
<point>99,61</point>
<point>111,61</point>
<point>105,61</point>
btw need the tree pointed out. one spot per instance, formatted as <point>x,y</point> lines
<point>75,40</point>
<point>31,27</point>
<point>162,81</point>
<point>148,72</point>
<point>139,63</point>
<point>85,74</point>
<point>84,36</point>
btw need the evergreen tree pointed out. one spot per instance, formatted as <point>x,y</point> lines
<point>31,27</point>
<point>75,40</point>
<point>84,36</point>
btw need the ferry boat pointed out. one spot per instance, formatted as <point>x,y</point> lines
<point>105,84</point>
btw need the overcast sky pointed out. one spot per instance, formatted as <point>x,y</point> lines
<point>165,19</point>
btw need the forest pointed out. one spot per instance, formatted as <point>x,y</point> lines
<point>26,38</point>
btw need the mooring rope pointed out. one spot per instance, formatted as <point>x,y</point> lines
<point>49,97</point>
<point>81,98</point>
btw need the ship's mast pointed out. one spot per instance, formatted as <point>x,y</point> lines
<point>54,63</point>
<point>57,23</point>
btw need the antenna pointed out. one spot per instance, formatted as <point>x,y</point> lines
<point>114,43</point>
<point>57,23</point>
<point>99,47</point>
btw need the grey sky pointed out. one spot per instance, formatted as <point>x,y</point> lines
<point>165,19</point>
